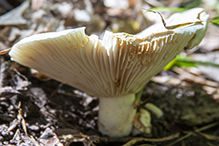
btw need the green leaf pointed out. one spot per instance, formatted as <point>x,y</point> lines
<point>170,65</point>
<point>181,61</point>
<point>165,9</point>
<point>186,61</point>
<point>192,4</point>
<point>215,21</point>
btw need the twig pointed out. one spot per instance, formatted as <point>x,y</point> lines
<point>131,140</point>
<point>21,118</point>
<point>196,131</point>
<point>145,102</point>
<point>55,91</point>
<point>180,139</point>
<point>135,140</point>
<point>208,136</point>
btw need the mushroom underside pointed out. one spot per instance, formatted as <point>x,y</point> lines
<point>113,69</point>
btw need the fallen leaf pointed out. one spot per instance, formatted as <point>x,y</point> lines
<point>49,138</point>
<point>208,136</point>
<point>14,17</point>
<point>36,4</point>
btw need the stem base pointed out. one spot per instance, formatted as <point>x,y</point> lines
<point>116,115</point>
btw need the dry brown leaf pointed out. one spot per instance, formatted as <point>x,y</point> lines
<point>142,122</point>
<point>49,138</point>
<point>210,41</point>
<point>79,137</point>
<point>2,52</point>
<point>14,17</point>
<point>168,80</point>
<point>122,4</point>
<point>8,90</point>
<point>20,81</point>
<point>40,98</point>
<point>14,34</point>
<point>208,136</point>
<point>3,48</point>
<point>36,4</point>
<point>197,79</point>
<point>210,71</point>
<point>38,75</point>
<point>133,3</point>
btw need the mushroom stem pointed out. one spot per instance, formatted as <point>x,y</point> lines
<point>116,115</point>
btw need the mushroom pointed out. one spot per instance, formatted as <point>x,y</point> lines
<point>114,68</point>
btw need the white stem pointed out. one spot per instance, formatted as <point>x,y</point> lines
<point>116,115</point>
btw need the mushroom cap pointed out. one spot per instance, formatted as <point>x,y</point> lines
<point>119,64</point>
<point>193,15</point>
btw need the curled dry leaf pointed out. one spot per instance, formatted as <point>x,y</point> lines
<point>2,52</point>
<point>142,122</point>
